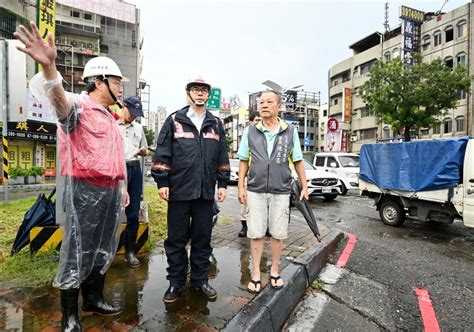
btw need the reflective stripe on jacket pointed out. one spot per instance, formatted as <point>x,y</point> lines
<point>190,162</point>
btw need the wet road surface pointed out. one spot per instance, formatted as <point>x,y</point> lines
<point>376,290</point>
<point>140,291</point>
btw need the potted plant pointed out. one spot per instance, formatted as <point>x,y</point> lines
<point>39,174</point>
<point>30,176</point>
<point>17,175</point>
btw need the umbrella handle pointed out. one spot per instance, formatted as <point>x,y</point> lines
<point>52,194</point>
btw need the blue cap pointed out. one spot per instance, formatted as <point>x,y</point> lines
<point>133,105</point>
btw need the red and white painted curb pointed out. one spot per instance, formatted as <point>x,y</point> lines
<point>346,254</point>
<point>428,314</point>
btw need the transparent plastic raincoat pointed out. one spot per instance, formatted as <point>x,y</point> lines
<point>92,176</point>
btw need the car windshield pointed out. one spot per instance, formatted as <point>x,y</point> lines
<point>234,162</point>
<point>349,161</point>
<point>308,166</point>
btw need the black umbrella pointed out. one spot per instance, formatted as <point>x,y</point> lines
<point>42,213</point>
<point>304,208</point>
<point>215,212</point>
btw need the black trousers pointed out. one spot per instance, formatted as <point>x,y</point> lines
<point>189,220</point>
<point>135,190</point>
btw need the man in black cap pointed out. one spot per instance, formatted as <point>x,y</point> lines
<point>135,147</point>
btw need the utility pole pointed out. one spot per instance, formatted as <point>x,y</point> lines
<point>72,68</point>
<point>3,98</point>
<point>305,125</point>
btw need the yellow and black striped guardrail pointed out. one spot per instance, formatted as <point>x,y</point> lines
<point>5,159</point>
<point>46,238</point>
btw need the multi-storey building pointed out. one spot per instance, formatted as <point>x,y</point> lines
<point>322,125</point>
<point>447,37</point>
<point>83,29</point>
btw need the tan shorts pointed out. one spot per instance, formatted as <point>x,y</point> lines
<point>268,210</point>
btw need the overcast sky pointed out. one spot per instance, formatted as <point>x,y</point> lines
<point>239,44</point>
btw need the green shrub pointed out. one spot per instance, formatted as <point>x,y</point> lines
<point>37,170</point>
<point>16,172</point>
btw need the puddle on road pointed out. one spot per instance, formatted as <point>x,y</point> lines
<point>139,292</point>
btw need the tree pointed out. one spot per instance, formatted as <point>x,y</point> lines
<point>150,135</point>
<point>412,97</point>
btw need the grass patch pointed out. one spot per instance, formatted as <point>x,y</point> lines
<point>317,284</point>
<point>24,270</point>
<point>157,209</point>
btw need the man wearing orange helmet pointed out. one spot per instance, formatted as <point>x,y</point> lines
<point>92,166</point>
<point>191,157</point>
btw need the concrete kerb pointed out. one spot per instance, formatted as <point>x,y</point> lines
<point>314,259</point>
<point>25,187</point>
<point>271,308</point>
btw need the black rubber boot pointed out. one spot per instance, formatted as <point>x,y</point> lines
<point>243,231</point>
<point>93,297</point>
<point>70,321</point>
<point>130,241</point>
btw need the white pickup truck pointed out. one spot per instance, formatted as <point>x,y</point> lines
<point>439,205</point>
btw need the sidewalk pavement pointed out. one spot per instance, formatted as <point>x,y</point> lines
<point>236,309</point>
<point>139,291</point>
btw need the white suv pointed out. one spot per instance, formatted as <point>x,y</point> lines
<point>344,165</point>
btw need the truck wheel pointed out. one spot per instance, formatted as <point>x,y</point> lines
<point>329,197</point>
<point>391,212</point>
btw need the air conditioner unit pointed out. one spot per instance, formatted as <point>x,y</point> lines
<point>353,138</point>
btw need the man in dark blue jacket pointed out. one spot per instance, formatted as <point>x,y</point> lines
<point>191,157</point>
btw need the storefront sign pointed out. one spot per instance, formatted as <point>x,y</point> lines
<point>32,130</point>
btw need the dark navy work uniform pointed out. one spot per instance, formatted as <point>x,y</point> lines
<point>190,162</point>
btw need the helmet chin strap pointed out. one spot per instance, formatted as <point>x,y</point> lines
<point>201,104</point>
<point>115,99</point>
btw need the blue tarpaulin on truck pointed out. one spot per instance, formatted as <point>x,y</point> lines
<point>414,166</point>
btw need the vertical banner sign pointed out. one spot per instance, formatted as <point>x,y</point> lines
<point>5,159</point>
<point>344,140</point>
<point>411,29</point>
<point>46,19</point>
<point>347,104</point>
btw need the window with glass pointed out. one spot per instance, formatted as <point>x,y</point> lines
<point>461,29</point>
<point>447,126</point>
<point>349,161</point>
<point>461,59</point>
<point>449,33</point>
<point>395,53</point>
<point>386,132</point>
<point>425,45</point>
<point>424,132</point>
<point>437,38</point>
<point>366,134</point>
<point>460,123</point>
<point>387,56</point>
<point>320,161</point>
<point>449,61</point>
<point>437,128</point>
<point>461,94</point>
<point>365,112</point>
<point>331,162</point>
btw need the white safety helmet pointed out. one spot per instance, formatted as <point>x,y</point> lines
<point>197,80</point>
<point>102,66</point>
